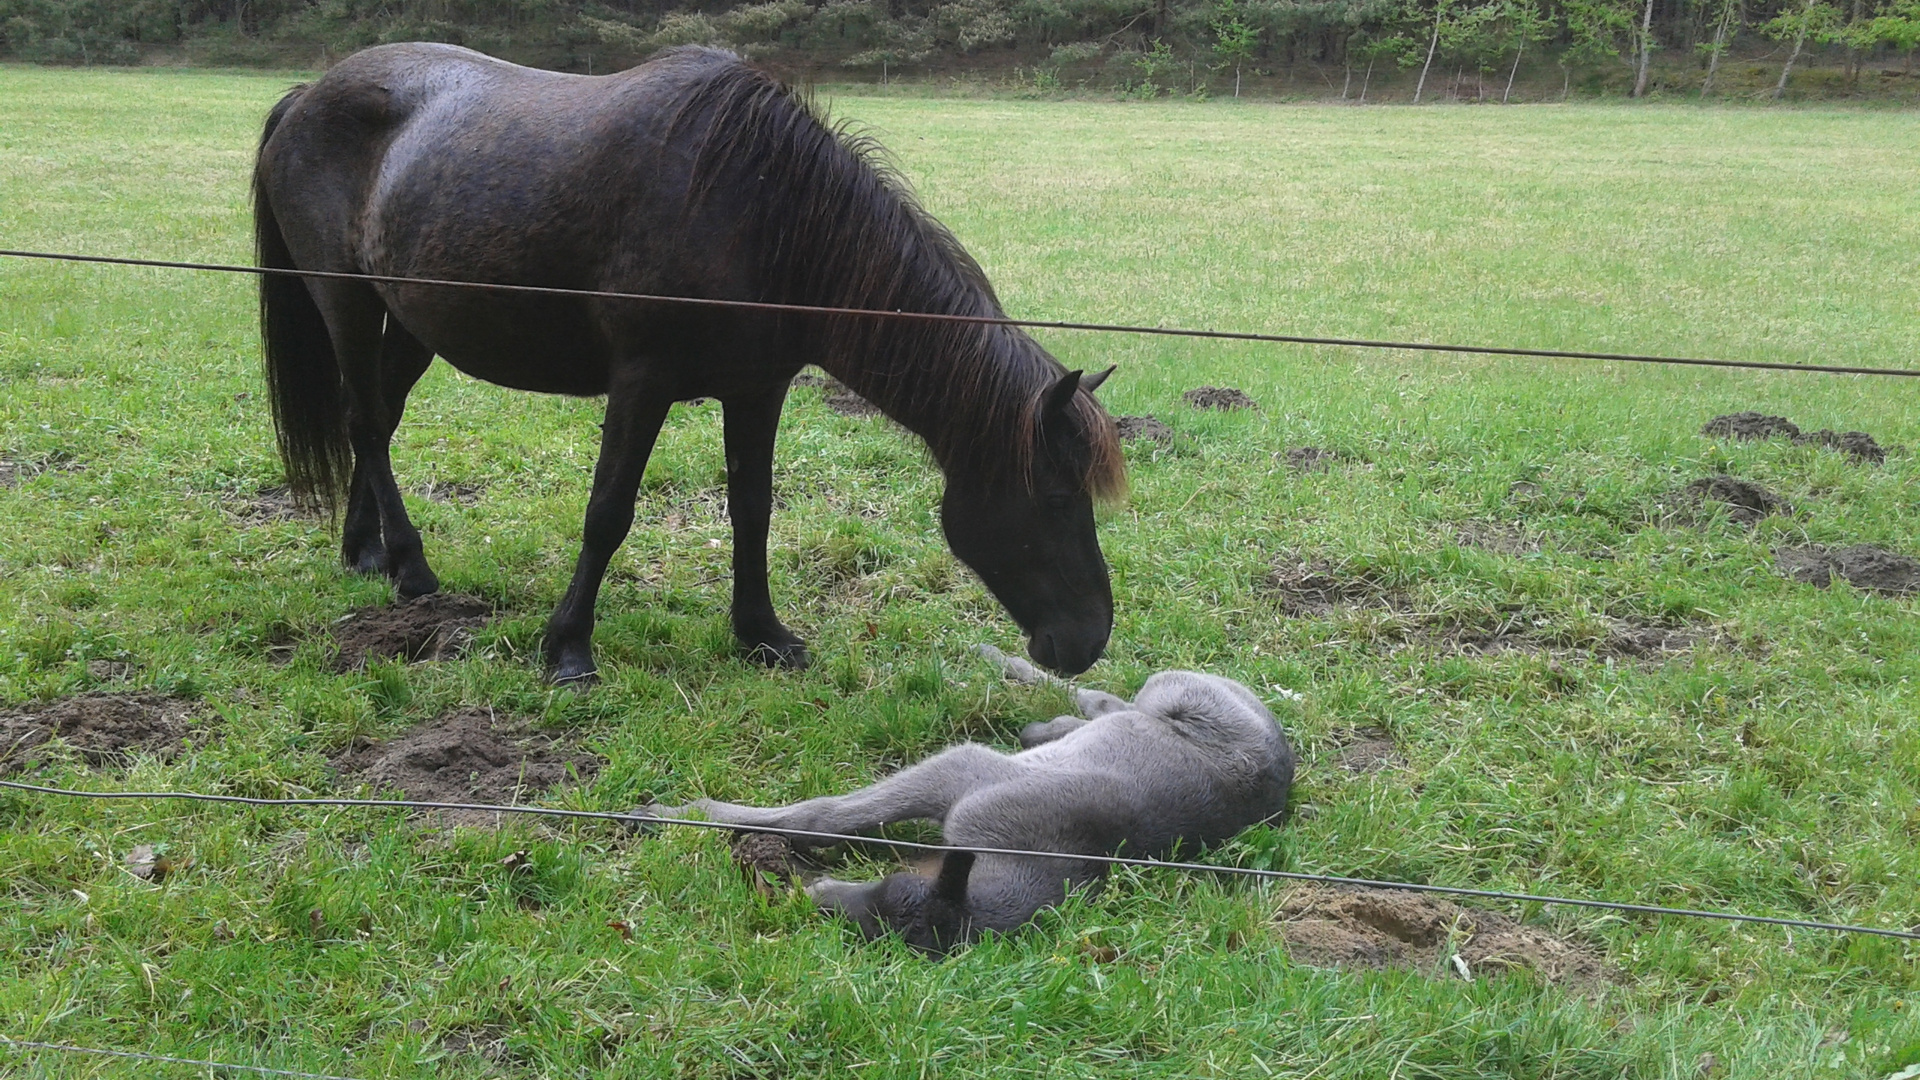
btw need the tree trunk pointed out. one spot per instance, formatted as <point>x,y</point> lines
<point>1522,51</point>
<point>1566,80</point>
<point>1853,54</point>
<point>1646,51</point>
<point>1431,45</point>
<point>1366,82</point>
<point>1719,45</point>
<point>1346,86</point>
<point>1806,16</point>
<point>1236,81</point>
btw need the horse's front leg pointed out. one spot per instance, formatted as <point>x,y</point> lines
<point>635,412</point>
<point>750,426</point>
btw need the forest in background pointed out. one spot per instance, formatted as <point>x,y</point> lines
<point>1401,49</point>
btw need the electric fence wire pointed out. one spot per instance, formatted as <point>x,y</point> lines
<point>983,320</point>
<point>636,819</point>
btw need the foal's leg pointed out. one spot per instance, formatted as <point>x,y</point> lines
<point>750,426</point>
<point>924,791</point>
<point>403,359</point>
<point>635,411</point>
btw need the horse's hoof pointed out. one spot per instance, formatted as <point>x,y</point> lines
<point>791,655</point>
<point>410,584</point>
<point>575,678</point>
<point>639,820</point>
<point>370,561</point>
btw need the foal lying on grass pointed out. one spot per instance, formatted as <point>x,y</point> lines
<point>1191,761</point>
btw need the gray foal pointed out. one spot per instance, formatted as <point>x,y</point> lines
<point>1191,761</point>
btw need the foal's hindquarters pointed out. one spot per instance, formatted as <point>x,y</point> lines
<point>1192,761</point>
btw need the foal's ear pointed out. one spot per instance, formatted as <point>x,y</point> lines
<point>1058,396</point>
<point>1092,382</point>
<point>951,885</point>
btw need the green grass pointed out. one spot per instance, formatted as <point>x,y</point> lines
<point>1774,768</point>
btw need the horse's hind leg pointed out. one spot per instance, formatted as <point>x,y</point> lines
<point>750,426</point>
<point>363,542</point>
<point>924,791</point>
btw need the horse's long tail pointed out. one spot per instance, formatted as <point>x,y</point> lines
<point>303,378</point>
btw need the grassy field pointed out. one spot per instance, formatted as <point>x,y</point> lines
<point>1770,765</point>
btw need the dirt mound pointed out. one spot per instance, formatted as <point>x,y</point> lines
<point>105,729</point>
<point>1859,444</point>
<point>438,626</point>
<point>1749,425</point>
<point>1306,459</point>
<point>1378,928</point>
<point>841,399</point>
<point>1318,587</point>
<point>1746,501</point>
<point>465,756</point>
<point>1863,566</point>
<point>1367,750</point>
<point>1220,398</point>
<point>1143,427</point>
<point>1752,425</point>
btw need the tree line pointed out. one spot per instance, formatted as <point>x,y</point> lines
<point>1421,48</point>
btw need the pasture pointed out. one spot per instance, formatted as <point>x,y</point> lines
<point>1527,662</point>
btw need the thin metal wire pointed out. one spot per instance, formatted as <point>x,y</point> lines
<point>639,819</point>
<point>983,320</point>
<point>23,1044</point>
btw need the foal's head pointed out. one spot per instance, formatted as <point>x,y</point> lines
<point>929,914</point>
<point>1031,537</point>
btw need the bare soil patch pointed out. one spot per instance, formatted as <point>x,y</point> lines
<point>1306,459</point>
<point>14,470</point>
<point>446,491</point>
<point>1219,398</point>
<point>1517,634</point>
<point>1382,928</point>
<point>1752,425</point>
<point>267,506</point>
<point>104,729</point>
<point>1367,750</point>
<point>1317,587</point>
<point>1864,566</point>
<point>438,626</point>
<point>1746,501</point>
<point>466,756</point>
<point>1498,537</point>
<point>1143,427</point>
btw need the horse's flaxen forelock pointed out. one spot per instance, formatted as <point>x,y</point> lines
<point>839,228</point>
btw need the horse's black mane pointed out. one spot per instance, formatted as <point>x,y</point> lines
<point>845,232</point>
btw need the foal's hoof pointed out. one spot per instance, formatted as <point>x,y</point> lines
<point>640,821</point>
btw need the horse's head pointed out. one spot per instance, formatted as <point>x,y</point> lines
<point>929,914</point>
<point>1031,538</point>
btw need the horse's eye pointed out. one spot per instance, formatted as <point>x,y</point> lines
<point>1058,502</point>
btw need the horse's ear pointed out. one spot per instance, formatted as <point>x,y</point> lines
<point>951,885</point>
<point>1060,394</point>
<point>1092,382</point>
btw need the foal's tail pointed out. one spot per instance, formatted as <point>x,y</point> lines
<point>303,378</point>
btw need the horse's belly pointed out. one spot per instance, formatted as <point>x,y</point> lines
<point>551,351</point>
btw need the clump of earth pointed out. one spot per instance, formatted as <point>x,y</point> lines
<point>1864,566</point>
<point>1746,501</point>
<point>1317,587</point>
<point>1382,928</point>
<point>1753,425</point>
<point>438,626</point>
<point>467,756</point>
<point>104,729</point>
<point>1143,427</point>
<point>1219,398</point>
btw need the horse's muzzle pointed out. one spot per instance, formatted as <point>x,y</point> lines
<point>1067,652</point>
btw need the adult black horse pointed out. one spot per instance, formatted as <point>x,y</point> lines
<point>692,175</point>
